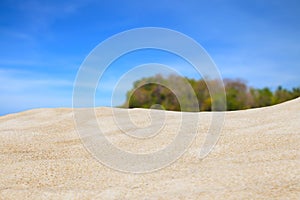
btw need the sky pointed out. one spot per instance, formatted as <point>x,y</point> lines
<point>44,43</point>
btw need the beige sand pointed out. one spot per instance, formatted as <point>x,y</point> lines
<point>257,157</point>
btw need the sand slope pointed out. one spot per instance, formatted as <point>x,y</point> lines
<point>257,156</point>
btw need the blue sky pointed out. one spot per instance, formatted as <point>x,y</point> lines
<point>43,43</point>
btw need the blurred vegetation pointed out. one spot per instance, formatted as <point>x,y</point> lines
<point>176,93</point>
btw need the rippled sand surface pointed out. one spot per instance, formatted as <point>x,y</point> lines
<point>257,157</point>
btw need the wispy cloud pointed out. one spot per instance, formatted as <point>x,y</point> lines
<point>25,89</point>
<point>20,35</point>
<point>20,80</point>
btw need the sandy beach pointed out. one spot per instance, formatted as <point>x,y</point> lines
<point>257,157</point>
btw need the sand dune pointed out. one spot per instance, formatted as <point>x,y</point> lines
<point>257,156</point>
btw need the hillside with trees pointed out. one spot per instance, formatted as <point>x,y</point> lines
<point>153,91</point>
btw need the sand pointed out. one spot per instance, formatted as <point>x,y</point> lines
<point>256,157</point>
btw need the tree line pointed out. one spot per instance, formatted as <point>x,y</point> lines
<point>176,93</point>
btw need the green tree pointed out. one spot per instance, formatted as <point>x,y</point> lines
<point>236,94</point>
<point>282,95</point>
<point>177,93</point>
